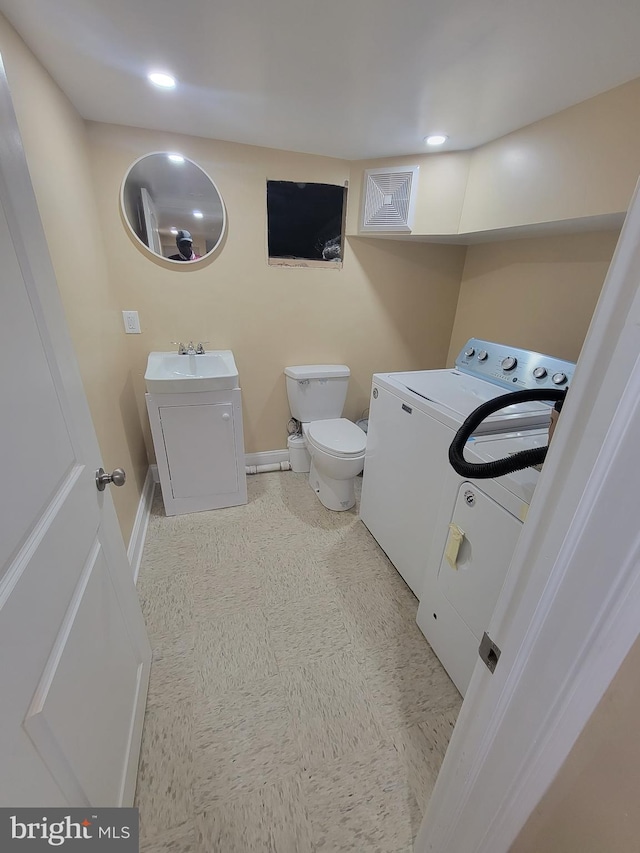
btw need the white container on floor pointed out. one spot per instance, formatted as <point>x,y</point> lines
<point>298,454</point>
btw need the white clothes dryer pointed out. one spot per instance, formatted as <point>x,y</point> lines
<point>413,417</point>
<point>476,533</point>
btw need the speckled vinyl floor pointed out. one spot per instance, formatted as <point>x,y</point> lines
<point>294,705</point>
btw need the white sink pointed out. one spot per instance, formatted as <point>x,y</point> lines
<point>170,373</point>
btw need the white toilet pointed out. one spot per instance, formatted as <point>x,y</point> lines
<point>317,393</point>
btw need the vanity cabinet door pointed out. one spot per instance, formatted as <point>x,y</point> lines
<point>199,444</point>
<point>200,448</point>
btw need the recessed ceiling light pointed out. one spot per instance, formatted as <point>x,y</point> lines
<point>198,214</point>
<point>436,139</point>
<point>174,230</point>
<point>175,158</point>
<point>161,79</point>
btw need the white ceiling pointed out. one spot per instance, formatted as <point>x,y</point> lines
<point>345,78</point>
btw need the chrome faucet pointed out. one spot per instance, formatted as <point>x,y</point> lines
<point>190,349</point>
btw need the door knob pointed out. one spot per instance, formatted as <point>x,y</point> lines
<point>103,479</point>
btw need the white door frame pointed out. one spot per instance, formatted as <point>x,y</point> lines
<point>568,613</point>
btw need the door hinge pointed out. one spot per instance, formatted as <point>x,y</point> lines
<point>489,652</point>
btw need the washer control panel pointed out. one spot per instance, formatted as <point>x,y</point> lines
<point>513,367</point>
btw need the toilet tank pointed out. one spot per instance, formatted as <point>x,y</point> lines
<point>317,391</point>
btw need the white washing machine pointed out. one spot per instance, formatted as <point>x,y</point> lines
<point>476,532</point>
<point>412,420</point>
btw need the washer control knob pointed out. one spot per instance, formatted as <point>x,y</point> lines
<point>469,352</point>
<point>540,372</point>
<point>509,363</point>
<point>559,378</point>
<point>483,355</point>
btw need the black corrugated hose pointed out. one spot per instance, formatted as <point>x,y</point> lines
<point>500,467</point>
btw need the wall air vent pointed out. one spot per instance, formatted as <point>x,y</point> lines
<point>389,199</point>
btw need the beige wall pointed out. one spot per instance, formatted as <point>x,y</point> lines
<point>592,804</point>
<point>580,163</point>
<point>390,307</point>
<point>55,145</point>
<point>537,293</point>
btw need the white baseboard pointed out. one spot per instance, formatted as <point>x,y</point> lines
<point>139,532</point>
<point>267,457</point>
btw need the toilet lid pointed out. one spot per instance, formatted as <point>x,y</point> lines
<point>338,436</point>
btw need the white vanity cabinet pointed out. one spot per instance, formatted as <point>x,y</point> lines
<point>199,445</point>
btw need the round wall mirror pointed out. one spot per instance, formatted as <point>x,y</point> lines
<point>173,207</point>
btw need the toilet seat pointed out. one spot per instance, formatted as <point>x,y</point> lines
<point>338,437</point>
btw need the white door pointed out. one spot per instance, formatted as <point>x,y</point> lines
<point>151,221</point>
<point>74,657</point>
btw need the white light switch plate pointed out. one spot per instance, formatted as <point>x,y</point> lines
<point>131,322</point>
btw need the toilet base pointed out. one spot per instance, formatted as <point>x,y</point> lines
<point>337,495</point>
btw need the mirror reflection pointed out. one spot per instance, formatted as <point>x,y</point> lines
<point>173,207</point>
